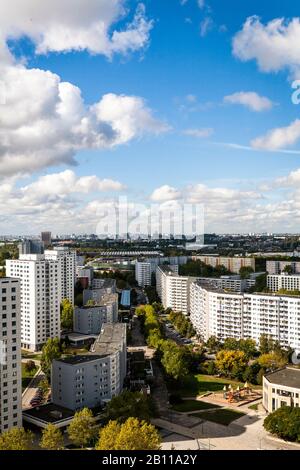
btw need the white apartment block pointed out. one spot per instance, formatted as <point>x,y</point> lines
<point>215,312</point>
<point>277,267</point>
<point>276,282</point>
<point>233,283</point>
<point>233,264</point>
<point>10,355</point>
<point>67,266</point>
<point>173,290</point>
<point>143,273</point>
<point>41,295</point>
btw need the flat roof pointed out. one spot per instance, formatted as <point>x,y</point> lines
<point>79,359</point>
<point>289,377</point>
<point>110,339</point>
<point>50,413</point>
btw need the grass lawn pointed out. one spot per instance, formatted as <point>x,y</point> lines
<point>199,384</point>
<point>253,407</point>
<point>193,405</point>
<point>27,376</point>
<point>224,416</point>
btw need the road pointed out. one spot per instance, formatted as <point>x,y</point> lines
<point>30,391</point>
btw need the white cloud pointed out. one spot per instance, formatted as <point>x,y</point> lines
<point>201,4</point>
<point>206,26</point>
<point>45,121</point>
<point>250,99</point>
<point>275,46</point>
<point>199,133</point>
<point>165,193</point>
<point>65,183</point>
<point>279,138</point>
<point>75,25</point>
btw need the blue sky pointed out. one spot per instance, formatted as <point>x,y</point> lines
<point>182,69</point>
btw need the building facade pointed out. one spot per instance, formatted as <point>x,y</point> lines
<point>233,264</point>
<point>92,380</point>
<point>143,273</point>
<point>281,388</point>
<point>41,296</point>
<point>215,312</point>
<point>276,282</point>
<point>277,267</point>
<point>89,320</point>
<point>10,355</point>
<point>27,247</point>
<point>173,290</point>
<point>66,260</point>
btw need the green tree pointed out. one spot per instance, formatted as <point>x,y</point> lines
<point>52,438</point>
<point>130,404</point>
<point>213,344</point>
<point>265,345</point>
<point>51,350</point>
<point>82,428</point>
<point>284,423</point>
<point>231,363</point>
<point>30,366</point>
<point>173,360</point>
<point>131,435</point>
<point>288,269</point>
<point>272,361</point>
<point>245,272</point>
<point>66,314</point>
<point>16,439</point>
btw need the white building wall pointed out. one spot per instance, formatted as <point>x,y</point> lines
<point>10,355</point>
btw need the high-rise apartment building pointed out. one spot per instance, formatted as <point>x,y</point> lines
<point>66,260</point>
<point>278,267</point>
<point>173,289</point>
<point>41,295</point>
<point>215,312</point>
<point>10,355</point>
<point>143,273</point>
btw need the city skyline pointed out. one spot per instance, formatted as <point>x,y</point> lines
<point>192,104</point>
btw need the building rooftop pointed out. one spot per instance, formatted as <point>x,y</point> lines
<point>110,339</point>
<point>289,377</point>
<point>79,359</point>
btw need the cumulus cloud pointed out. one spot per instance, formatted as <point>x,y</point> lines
<point>250,99</point>
<point>200,133</point>
<point>275,45</point>
<point>279,138</point>
<point>45,121</point>
<point>75,25</point>
<point>165,193</point>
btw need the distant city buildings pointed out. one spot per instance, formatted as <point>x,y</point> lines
<point>46,239</point>
<point>233,264</point>
<point>92,380</point>
<point>27,247</point>
<point>10,355</point>
<point>281,388</point>
<point>278,267</point>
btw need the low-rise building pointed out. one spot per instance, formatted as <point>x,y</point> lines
<point>94,379</point>
<point>88,320</point>
<point>281,388</point>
